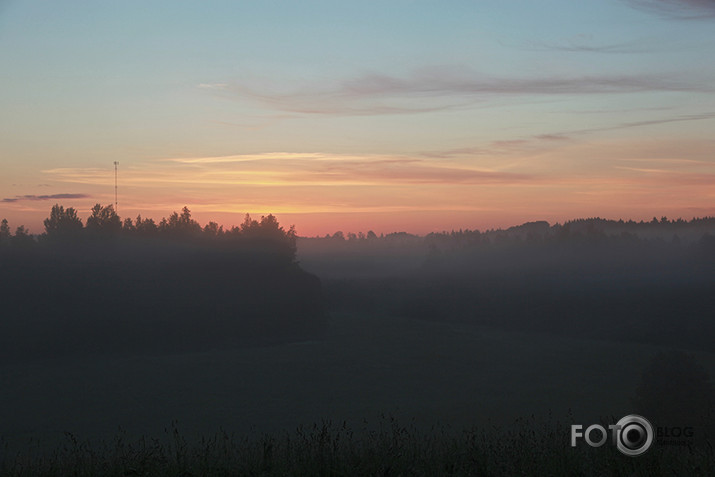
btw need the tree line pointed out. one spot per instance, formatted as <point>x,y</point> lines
<point>64,226</point>
<point>107,285</point>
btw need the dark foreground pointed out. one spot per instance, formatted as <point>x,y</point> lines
<point>232,333</point>
<point>390,449</point>
<point>454,390</point>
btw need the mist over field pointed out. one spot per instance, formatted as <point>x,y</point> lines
<point>622,281</point>
<point>111,328</point>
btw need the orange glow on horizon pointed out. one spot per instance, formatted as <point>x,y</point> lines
<point>322,193</point>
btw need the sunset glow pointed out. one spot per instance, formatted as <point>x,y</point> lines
<point>407,116</point>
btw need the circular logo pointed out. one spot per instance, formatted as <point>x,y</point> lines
<point>634,435</point>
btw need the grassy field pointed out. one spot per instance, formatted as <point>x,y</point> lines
<point>326,449</point>
<point>422,374</point>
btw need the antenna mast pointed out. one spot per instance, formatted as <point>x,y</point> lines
<point>116,204</point>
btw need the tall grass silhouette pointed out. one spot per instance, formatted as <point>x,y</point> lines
<point>389,448</point>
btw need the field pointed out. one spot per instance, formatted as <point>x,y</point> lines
<point>363,368</point>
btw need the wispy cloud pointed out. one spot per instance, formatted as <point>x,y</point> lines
<point>435,89</point>
<point>649,122</point>
<point>19,198</point>
<point>549,141</point>
<point>296,169</point>
<point>678,9</point>
<point>218,86</point>
<point>552,137</point>
<point>505,147</point>
<point>335,169</point>
<point>583,44</point>
<point>585,48</point>
<point>672,178</point>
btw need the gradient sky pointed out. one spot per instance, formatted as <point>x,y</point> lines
<point>385,115</point>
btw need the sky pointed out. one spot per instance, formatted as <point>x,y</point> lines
<point>391,115</point>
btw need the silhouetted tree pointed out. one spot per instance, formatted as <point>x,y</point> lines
<point>271,230</point>
<point>128,225</point>
<point>22,237</point>
<point>62,223</point>
<point>269,234</point>
<point>4,232</point>
<point>212,229</point>
<point>104,220</point>
<point>145,226</point>
<point>269,224</point>
<point>248,225</point>
<point>180,224</point>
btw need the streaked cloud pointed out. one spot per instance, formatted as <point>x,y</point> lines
<point>301,169</point>
<point>213,85</point>
<point>547,141</point>
<point>440,88</point>
<point>583,44</point>
<point>678,9</point>
<point>552,137</point>
<point>506,147</point>
<point>649,122</point>
<point>19,198</point>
